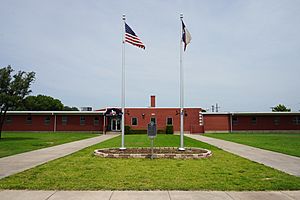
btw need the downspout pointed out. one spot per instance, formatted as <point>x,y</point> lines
<point>104,124</point>
<point>54,125</point>
<point>231,114</point>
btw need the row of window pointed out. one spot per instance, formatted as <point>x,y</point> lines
<point>47,119</point>
<point>134,121</point>
<point>276,120</point>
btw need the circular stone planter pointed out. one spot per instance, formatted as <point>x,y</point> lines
<point>158,152</point>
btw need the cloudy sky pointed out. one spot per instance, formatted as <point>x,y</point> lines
<point>244,55</point>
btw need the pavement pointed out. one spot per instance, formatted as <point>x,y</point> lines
<point>147,195</point>
<point>17,163</point>
<point>279,161</point>
<point>20,162</point>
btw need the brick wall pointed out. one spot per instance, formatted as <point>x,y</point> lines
<point>143,115</point>
<point>20,123</point>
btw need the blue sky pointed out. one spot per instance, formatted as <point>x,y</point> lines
<point>244,55</point>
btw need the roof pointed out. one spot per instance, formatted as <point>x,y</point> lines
<point>56,112</point>
<point>152,108</point>
<point>251,113</point>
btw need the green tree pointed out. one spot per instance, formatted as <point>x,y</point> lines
<point>280,108</point>
<point>68,108</point>
<point>13,90</point>
<point>42,103</point>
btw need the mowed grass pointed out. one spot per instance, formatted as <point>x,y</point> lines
<point>287,143</point>
<point>18,142</point>
<point>84,171</point>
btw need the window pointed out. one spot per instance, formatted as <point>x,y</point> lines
<point>234,120</point>
<point>82,120</point>
<point>47,120</point>
<point>29,119</point>
<point>153,119</point>
<point>96,121</point>
<point>169,121</point>
<point>8,120</point>
<point>134,121</point>
<point>64,120</point>
<point>296,120</point>
<point>253,120</point>
<point>276,121</point>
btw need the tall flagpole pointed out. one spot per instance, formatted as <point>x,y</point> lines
<point>181,148</point>
<point>123,85</point>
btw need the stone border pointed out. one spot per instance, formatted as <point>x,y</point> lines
<point>208,153</point>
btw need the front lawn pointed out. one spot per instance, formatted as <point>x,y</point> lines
<point>287,143</point>
<point>18,142</point>
<point>84,171</point>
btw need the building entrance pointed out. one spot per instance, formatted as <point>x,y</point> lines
<point>115,124</point>
<point>113,119</point>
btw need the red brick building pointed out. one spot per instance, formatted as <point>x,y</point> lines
<point>251,121</point>
<point>54,121</point>
<point>139,118</point>
<point>109,119</point>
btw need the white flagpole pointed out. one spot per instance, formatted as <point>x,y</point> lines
<point>181,148</point>
<point>123,85</point>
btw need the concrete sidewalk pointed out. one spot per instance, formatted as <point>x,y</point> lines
<point>20,162</point>
<point>282,162</point>
<point>157,195</point>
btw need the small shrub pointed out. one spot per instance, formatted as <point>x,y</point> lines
<point>138,132</point>
<point>142,131</point>
<point>127,130</point>
<point>169,129</point>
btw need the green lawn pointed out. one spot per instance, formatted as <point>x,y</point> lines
<point>13,143</point>
<point>287,143</point>
<point>84,171</point>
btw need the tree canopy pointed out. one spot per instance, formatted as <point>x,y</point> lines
<point>44,103</point>
<point>68,108</point>
<point>280,108</point>
<point>13,90</point>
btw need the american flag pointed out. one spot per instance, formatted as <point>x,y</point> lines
<point>132,38</point>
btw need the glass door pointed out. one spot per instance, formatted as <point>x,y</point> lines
<point>118,125</point>
<point>115,124</point>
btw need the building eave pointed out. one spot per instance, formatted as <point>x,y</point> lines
<point>251,113</point>
<point>55,112</point>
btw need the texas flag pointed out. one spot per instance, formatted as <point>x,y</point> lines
<point>186,36</point>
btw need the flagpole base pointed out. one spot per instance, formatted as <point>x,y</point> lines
<point>181,149</point>
<point>122,148</point>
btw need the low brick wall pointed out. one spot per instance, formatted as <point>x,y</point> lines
<point>159,152</point>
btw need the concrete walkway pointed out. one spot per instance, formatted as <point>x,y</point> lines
<point>282,162</point>
<point>157,195</point>
<point>20,162</point>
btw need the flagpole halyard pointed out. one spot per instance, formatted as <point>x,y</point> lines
<point>181,148</point>
<point>123,85</point>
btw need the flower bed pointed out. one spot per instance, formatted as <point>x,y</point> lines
<point>158,152</point>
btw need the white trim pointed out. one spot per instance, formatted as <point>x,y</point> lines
<point>137,121</point>
<point>149,107</point>
<point>251,113</point>
<point>58,112</point>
